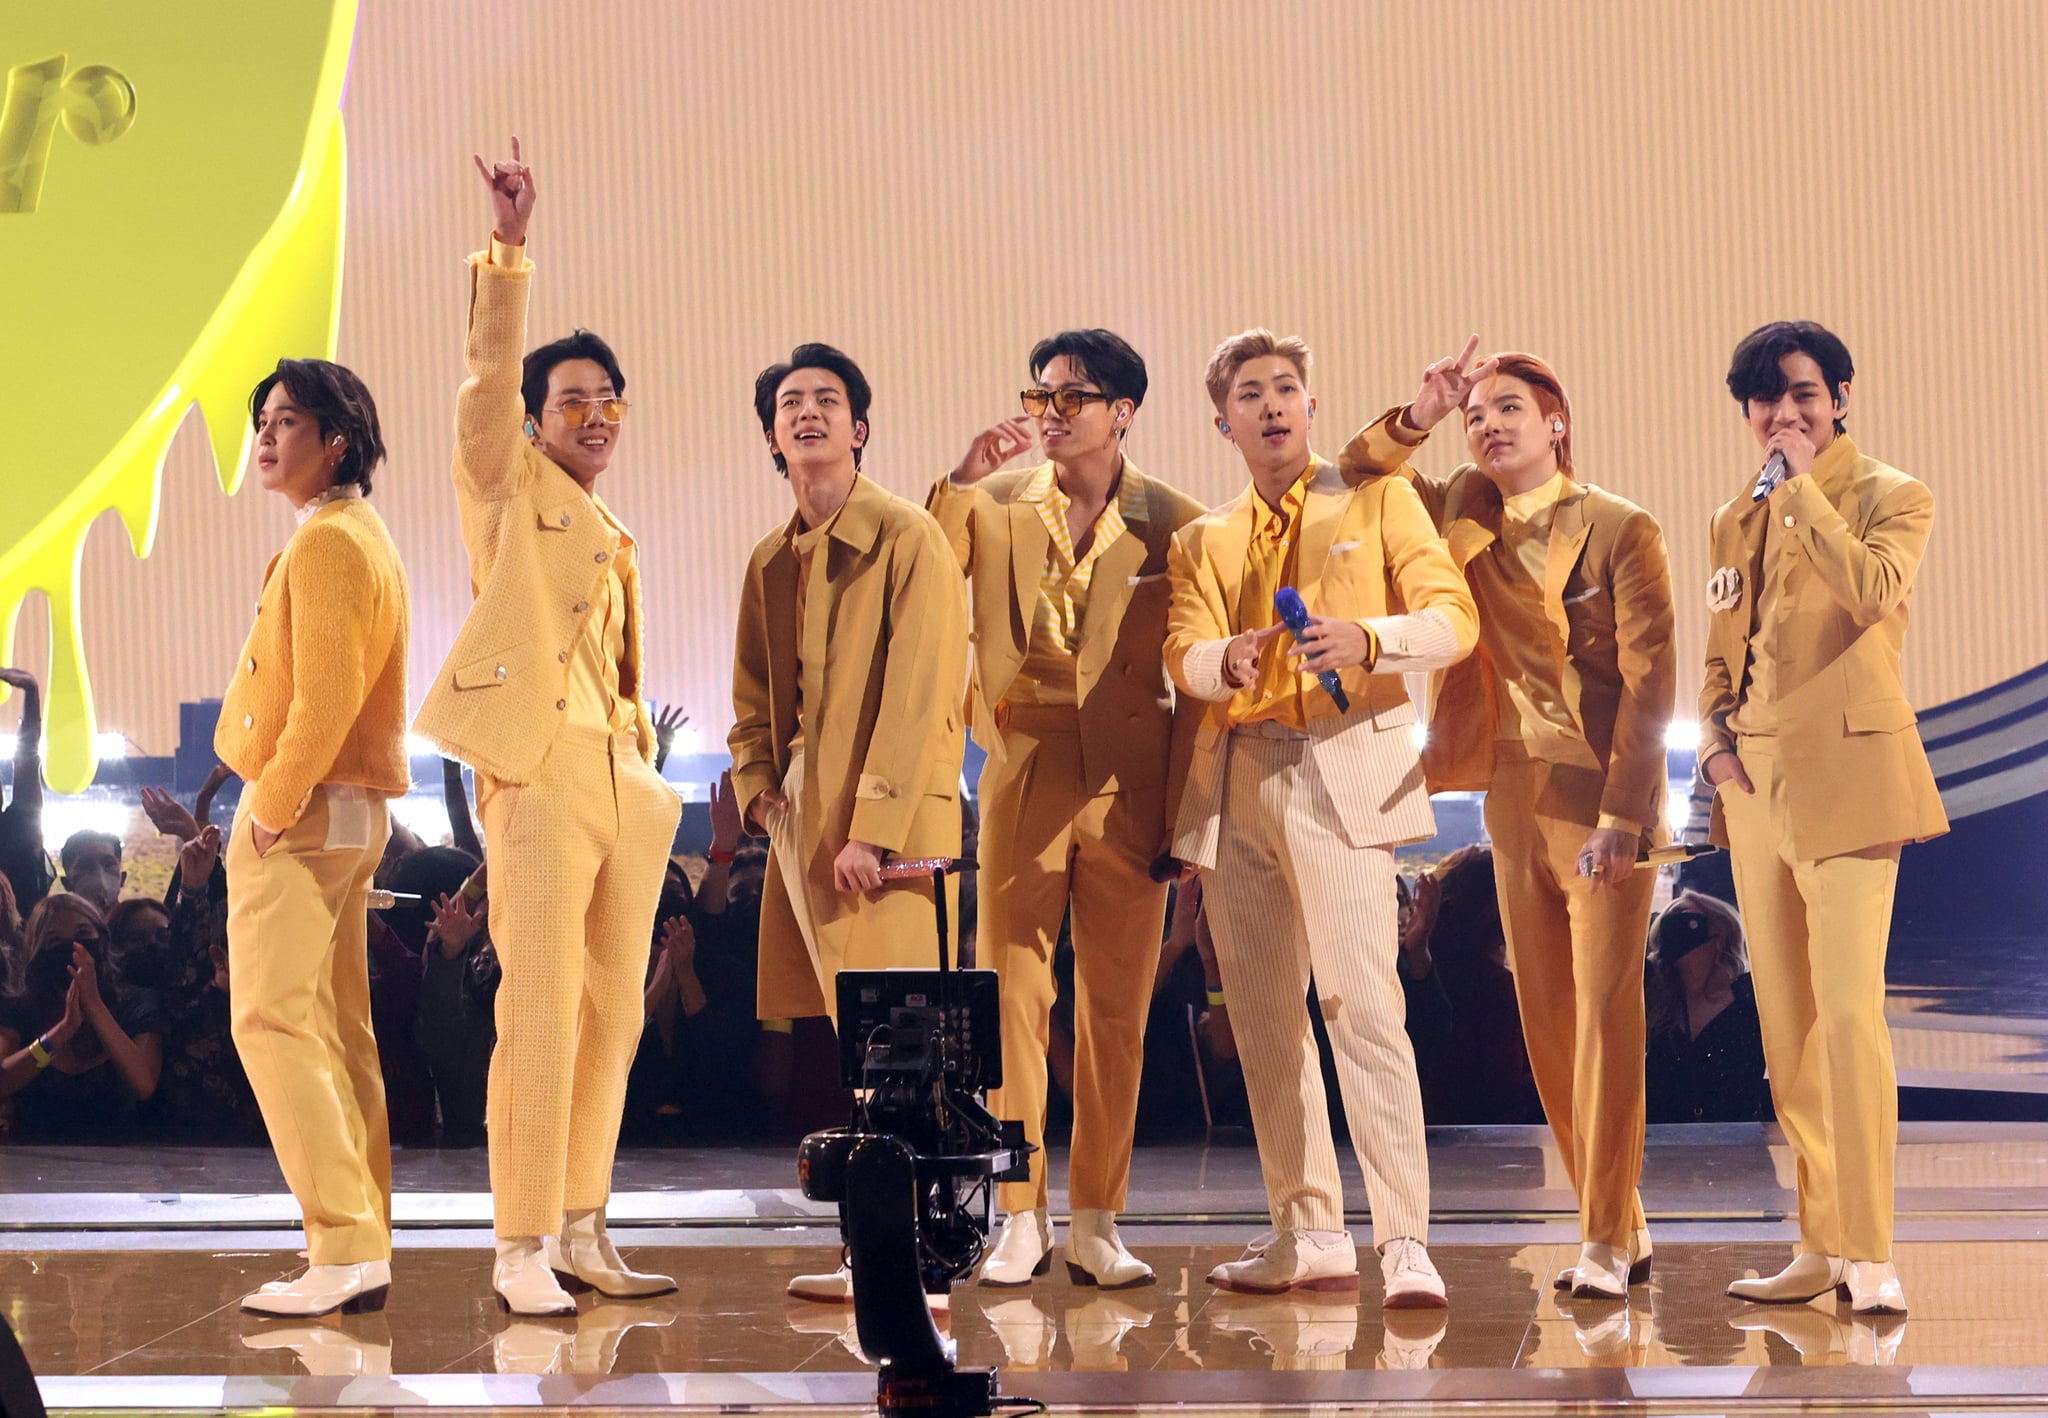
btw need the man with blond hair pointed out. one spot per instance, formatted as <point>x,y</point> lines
<point>1298,793</point>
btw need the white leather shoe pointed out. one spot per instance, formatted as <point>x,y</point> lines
<point>330,1353</point>
<point>1409,1279</point>
<point>1810,1274</point>
<point>1291,1260</point>
<point>584,1258</point>
<point>524,1282</point>
<point>1096,1254</point>
<point>835,1287</point>
<point>1022,1252</point>
<point>1640,1257</point>
<point>1874,1288</point>
<point>1601,1273</point>
<point>323,1289</point>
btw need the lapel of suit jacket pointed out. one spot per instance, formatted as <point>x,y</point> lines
<point>1226,547</point>
<point>1752,527</point>
<point>1323,507</point>
<point>1472,510</point>
<point>1109,591</point>
<point>1569,528</point>
<point>1030,544</point>
<point>778,607</point>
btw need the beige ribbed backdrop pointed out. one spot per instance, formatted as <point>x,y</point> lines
<point>1623,187</point>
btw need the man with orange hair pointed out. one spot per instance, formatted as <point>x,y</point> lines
<point>1295,798</point>
<point>1560,719</point>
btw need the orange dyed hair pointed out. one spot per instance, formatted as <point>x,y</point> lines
<point>1551,400</point>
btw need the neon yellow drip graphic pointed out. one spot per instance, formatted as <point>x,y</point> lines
<point>171,199</point>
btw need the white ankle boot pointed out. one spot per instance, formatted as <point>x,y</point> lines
<point>585,1258</point>
<point>1022,1252</point>
<point>524,1281</point>
<point>1096,1254</point>
<point>1601,1273</point>
<point>1808,1275</point>
<point>323,1289</point>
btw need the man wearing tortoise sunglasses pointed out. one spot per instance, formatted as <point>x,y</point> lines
<point>1069,695</point>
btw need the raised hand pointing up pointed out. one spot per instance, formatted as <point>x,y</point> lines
<point>511,185</point>
<point>1446,383</point>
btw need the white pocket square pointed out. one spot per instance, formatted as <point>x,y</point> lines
<point>1341,547</point>
<point>1141,580</point>
<point>1724,589</point>
<point>1585,595</point>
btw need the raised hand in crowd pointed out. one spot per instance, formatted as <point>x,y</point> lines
<point>28,738</point>
<point>1417,921</point>
<point>216,779</point>
<point>461,825</point>
<point>726,827</point>
<point>511,185</point>
<point>139,1063</point>
<point>168,815</point>
<point>455,924</point>
<point>667,720</point>
<point>196,860</point>
<point>993,447</point>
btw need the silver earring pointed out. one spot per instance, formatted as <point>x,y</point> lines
<point>1225,427</point>
<point>1557,425</point>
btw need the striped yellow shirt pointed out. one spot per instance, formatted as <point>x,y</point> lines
<point>1049,674</point>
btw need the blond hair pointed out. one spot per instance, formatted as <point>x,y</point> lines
<point>1255,343</point>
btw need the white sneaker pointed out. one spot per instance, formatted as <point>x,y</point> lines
<point>1096,1254</point>
<point>323,1289</point>
<point>1022,1252</point>
<point>1291,1260</point>
<point>1410,1281</point>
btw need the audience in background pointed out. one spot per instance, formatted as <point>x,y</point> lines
<point>1706,1050</point>
<point>92,868</point>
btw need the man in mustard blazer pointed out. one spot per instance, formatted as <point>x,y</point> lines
<point>1559,717</point>
<point>1819,779</point>
<point>1294,804</point>
<point>314,722</point>
<point>541,695</point>
<point>1067,569</point>
<point>850,659</point>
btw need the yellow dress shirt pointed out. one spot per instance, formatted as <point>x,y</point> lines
<point>1050,673</point>
<point>1273,561</point>
<point>806,544</point>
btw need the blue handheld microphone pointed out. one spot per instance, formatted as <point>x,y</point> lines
<point>1294,615</point>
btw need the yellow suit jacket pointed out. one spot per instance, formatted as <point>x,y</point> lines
<point>884,660</point>
<point>1135,741</point>
<point>1367,553</point>
<point>538,554</point>
<point>1607,593</point>
<point>1851,533</point>
<point>318,695</point>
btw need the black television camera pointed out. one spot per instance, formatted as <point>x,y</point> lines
<point>913,1172</point>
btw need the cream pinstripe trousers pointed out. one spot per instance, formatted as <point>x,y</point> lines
<point>1290,898</point>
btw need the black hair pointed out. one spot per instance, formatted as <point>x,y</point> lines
<point>812,356</point>
<point>1101,357</point>
<point>339,402</point>
<point>1755,372</point>
<point>77,842</point>
<point>540,363</point>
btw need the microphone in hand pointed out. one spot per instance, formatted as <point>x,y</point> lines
<point>1774,473</point>
<point>1294,615</point>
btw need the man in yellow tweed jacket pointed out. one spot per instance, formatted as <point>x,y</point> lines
<point>542,696</point>
<point>314,722</point>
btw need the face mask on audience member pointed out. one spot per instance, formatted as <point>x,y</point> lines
<point>97,876</point>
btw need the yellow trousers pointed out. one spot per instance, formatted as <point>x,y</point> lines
<point>1290,898</point>
<point>299,996</point>
<point>577,859</point>
<point>1577,955</point>
<point>1043,853</point>
<point>1817,932</point>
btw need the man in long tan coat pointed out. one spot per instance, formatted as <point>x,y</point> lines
<point>1069,695</point>
<point>541,695</point>
<point>1819,778</point>
<point>850,660</point>
<point>1295,801</point>
<point>1559,717</point>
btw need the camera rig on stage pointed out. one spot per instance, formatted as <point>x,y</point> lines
<point>913,1172</point>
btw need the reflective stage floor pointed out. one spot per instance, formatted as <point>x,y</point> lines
<point>121,1271</point>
